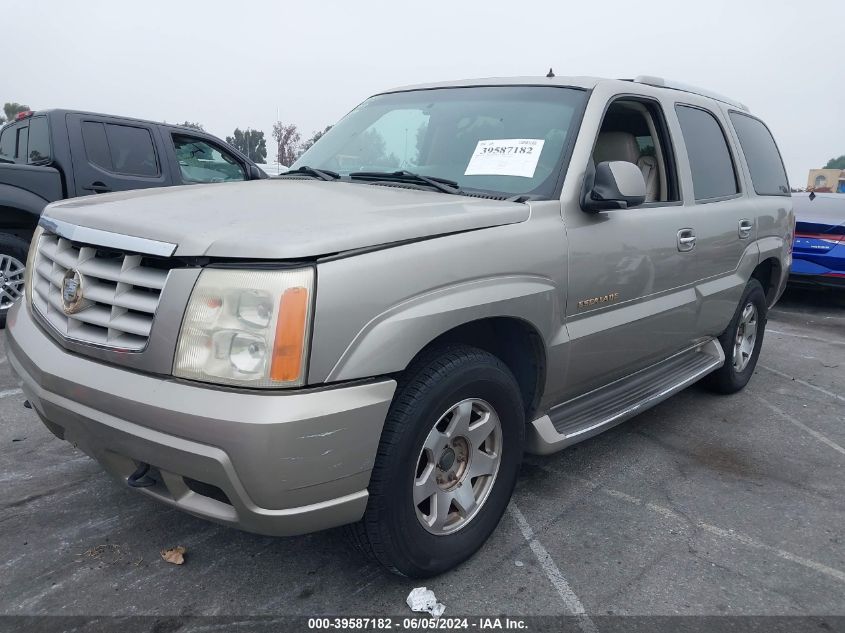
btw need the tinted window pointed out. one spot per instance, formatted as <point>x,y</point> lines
<point>23,140</point>
<point>96,145</point>
<point>132,151</point>
<point>38,150</point>
<point>713,174</point>
<point>7,143</point>
<point>200,161</point>
<point>762,156</point>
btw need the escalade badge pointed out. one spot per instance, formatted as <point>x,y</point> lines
<point>72,292</point>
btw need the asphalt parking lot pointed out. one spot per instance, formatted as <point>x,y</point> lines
<point>704,505</point>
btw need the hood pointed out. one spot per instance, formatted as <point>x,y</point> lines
<point>283,219</point>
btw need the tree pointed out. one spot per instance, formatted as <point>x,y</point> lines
<point>10,109</point>
<point>250,142</point>
<point>287,136</point>
<point>193,125</point>
<point>314,138</point>
<point>836,163</point>
<point>371,150</point>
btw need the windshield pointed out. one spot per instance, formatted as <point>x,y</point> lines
<point>501,140</point>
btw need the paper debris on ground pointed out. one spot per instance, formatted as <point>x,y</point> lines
<point>175,555</point>
<point>422,600</point>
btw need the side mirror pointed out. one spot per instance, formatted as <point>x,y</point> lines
<point>255,173</point>
<point>615,184</point>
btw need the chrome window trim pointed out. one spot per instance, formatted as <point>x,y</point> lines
<point>107,239</point>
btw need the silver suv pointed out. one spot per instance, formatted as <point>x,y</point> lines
<point>454,274</point>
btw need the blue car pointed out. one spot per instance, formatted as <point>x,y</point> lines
<point>818,254</point>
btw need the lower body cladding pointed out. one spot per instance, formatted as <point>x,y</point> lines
<point>272,463</point>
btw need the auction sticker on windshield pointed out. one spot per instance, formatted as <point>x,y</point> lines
<point>505,157</point>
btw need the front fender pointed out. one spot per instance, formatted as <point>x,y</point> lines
<point>388,342</point>
<point>375,311</point>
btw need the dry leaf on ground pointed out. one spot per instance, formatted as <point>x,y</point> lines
<point>175,555</point>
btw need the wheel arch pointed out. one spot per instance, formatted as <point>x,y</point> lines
<point>483,312</point>
<point>514,341</point>
<point>769,273</point>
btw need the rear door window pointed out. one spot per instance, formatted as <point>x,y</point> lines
<point>764,162</point>
<point>38,149</point>
<point>132,150</point>
<point>713,172</point>
<point>121,149</point>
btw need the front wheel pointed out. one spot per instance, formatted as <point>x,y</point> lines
<point>447,463</point>
<point>741,342</point>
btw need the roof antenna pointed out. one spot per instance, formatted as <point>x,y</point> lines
<point>551,73</point>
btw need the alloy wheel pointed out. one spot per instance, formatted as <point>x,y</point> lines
<point>11,281</point>
<point>746,337</point>
<point>457,466</point>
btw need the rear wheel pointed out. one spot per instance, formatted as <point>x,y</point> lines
<point>741,342</point>
<point>13,252</point>
<point>446,465</point>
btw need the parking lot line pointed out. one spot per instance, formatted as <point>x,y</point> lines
<point>570,599</point>
<point>802,382</point>
<point>9,392</point>
<point>804,336</point>
<point>728,534</point>
<point>799,424</point>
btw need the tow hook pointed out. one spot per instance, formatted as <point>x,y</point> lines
<point>26,404</point>
<point>139,478</point>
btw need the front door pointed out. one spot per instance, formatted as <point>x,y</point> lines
<point>631,297</point>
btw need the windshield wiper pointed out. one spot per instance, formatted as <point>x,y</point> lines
<point>322,174</point>
<point>6,160</point>
<point>403,175</point>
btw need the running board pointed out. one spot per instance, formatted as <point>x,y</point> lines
<point>603,408</point>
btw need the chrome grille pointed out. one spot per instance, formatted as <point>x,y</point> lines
<point>121,292</point>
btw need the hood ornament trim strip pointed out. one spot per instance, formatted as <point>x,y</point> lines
<point>107,239</point>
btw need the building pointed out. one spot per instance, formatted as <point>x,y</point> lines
<point>826,180</point>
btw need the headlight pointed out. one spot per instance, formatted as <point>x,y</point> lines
<point>30,264</point>
<point>247,327</point>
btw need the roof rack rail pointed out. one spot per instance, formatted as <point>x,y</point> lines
<point>660,82</point>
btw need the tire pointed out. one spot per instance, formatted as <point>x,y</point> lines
<point>437,393</point>
<point>739,364</point>
<point>13,251</point>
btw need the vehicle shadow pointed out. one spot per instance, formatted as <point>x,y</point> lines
<point>812,300</point>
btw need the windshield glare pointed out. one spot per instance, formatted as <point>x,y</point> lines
<point>502,140</point>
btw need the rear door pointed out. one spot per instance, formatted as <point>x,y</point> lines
<point>723,216</point>
<point>113,154</point>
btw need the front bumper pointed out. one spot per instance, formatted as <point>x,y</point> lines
<point>272,463</point>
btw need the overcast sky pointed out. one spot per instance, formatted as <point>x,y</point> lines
<point>228,64</point>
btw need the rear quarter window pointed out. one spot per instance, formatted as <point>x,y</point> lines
<point>768,175</point>
<point>713,173</point>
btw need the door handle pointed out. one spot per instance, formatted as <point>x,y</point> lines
<point>686,240</point>
<point>745,227</point>
<point>97,187</point>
